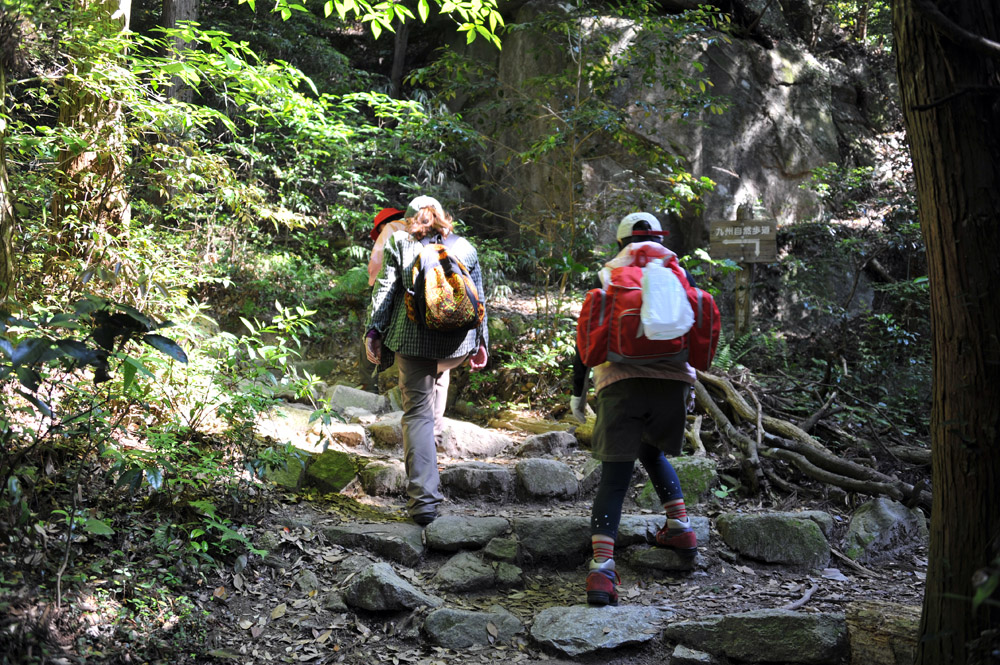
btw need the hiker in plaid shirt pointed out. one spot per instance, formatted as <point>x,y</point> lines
<point>425,356</point>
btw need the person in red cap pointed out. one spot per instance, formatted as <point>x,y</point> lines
<point>387,222</point>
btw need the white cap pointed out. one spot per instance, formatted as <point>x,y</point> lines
<point>417,204</point>
<point>628,221</point>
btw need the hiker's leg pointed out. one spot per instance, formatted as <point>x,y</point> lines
<point>417,381</point>
<point>662,474</point>
<point>606,514</point>
<point>440,401</point>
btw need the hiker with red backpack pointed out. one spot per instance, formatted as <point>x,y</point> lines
<point>426,310</point>
<point>643,387</point>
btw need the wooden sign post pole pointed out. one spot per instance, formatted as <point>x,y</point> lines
<point>743,312</point>
<point>745,241</point>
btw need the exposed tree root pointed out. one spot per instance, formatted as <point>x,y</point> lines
<point>693,436</point>
<point>791,443</point>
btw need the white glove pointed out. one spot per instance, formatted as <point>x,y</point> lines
<point>578,405</point>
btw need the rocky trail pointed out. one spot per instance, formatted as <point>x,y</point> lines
<point>499,576</point>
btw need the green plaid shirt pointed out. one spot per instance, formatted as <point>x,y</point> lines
<point>387,312</point>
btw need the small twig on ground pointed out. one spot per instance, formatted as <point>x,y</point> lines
<point>803,600</point>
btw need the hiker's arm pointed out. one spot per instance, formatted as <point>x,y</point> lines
<point>581,374</point>
<point>385,290</point>
<point>483,331</point>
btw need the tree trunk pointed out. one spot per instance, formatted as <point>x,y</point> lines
<point>401,39</point>
<point>950,86</point>
<point>882,633</point>
<point>861,27</point>
<point>6,206</point>
<point>173,12</point>
<point>90,188</point>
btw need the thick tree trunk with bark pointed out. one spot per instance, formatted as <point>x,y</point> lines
<point>90,188</point>
<point>401,39</point>
<point>949,73</point>
<point>175,11</point>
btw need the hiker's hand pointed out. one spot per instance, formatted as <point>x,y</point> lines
<point>578,405</point>
<point>373,348</point>
<point>477,360</point>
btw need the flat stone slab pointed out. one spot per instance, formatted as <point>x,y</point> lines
<point>639,529</point>
<point>773,635</point>
<point>451,533</point>
<point>465,572</point>
<point>561,540</point>
<point>397,541</point>
<point>662,559</point>
<point>461,439</point>
<point>580,630</point>
<point>461,629</point>
<point>549,443</point>
<point>477,480</point>
<point>539,478</point>
<point>344,397</point>
<point>786,538</point>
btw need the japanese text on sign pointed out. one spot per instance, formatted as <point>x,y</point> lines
<point>745,241</point>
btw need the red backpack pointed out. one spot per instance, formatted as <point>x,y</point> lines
<point>609,328</point>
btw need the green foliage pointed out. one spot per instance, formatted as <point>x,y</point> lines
<point>722,491</point>
<point>568,114</point>
<point>473,17</point>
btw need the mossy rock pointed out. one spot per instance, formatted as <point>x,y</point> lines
<point>331,471</point>
<point>697,475</point>
<point>291,474</point>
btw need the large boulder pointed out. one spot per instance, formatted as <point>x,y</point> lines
<point>884,528</point>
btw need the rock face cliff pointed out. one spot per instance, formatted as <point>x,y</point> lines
<point>788,111</point>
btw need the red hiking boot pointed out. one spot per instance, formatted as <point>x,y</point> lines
<point>602,583</point>
<point>681,540</point>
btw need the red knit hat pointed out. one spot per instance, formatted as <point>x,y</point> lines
<point>385,215</point>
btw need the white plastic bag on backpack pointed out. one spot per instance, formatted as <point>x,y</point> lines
<point>666,312</point>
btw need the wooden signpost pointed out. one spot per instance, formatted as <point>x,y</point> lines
<point>746,241</point>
